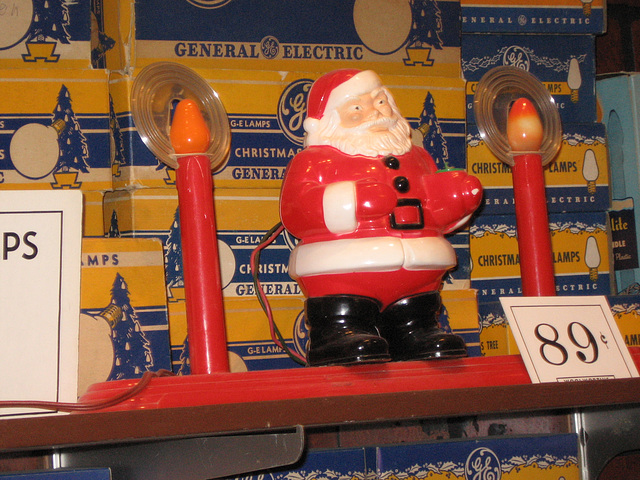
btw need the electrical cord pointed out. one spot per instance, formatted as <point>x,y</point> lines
<point>276,336</point>
<point>69,407</point>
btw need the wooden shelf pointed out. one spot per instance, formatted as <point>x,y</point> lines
<point>507,392</point>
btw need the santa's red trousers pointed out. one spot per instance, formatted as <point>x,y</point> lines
<point>386,287</point>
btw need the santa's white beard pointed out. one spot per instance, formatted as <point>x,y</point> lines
<point>365,139</point>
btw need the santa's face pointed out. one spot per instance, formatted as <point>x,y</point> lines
<point>368,124</point>
<point>366,109</point>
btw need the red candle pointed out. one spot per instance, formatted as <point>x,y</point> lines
<point>200,261</point>
<point>525,134</point>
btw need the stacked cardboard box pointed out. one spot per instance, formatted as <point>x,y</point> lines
<point>55,120</point>
<point>262,67</point>
<point>55,123</point>
<point>517,457</point>
<point>554,41</point>
<point>430,54</point>
<point>618,97</point>
<point>54,111</point>
<point>46,34</point>
<point>123,321</point>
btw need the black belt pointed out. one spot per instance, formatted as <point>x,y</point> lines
<point>408,202</point>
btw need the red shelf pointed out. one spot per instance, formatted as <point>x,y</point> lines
<point>314,397</point>
<point>300,383</point>
<point>320,382</point>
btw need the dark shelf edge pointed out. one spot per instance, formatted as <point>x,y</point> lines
<point>45,433</point>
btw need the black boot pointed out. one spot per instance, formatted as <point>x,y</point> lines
<point>342,331</point>
<point>411,328</point>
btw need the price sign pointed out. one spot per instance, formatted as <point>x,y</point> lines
<point>40,244</point>
<point>565,339</point>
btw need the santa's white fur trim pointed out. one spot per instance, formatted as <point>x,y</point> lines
<point>377,254</point>
<point>339,207</point>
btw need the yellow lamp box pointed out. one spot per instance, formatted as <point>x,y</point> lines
<point>626,312</point>
<point>494,329</point>
<point>266,110</point>
<point>576,180</point>
<point>275,35</point>
<point>51,34</point>
<point>67,112</point>
<point>124,328</point>
<point>580,250</point>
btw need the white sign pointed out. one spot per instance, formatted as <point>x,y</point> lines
<point>566,339</point>
<point>40,245</point>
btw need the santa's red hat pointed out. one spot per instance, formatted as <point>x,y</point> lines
<point>332,89</point>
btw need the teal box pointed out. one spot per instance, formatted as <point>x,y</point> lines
<point>619,98</point>
<point>565,64</point>
<point>528,457</point>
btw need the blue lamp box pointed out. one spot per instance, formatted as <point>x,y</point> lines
<point>540,16</point>
<point>580,250</point>
<point>418,38</point>
<point>538,457</point>
<point>324,464</point>
<point>619,99</point>
<point>458,276</point>
<point>565,64</point>
<point>577,180</point>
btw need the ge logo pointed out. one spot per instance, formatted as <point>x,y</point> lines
<point>292,108</point>
<point>482,464</point>
<point>269,46</point>
<point>516,57</point>
<point>522,20</point>
<point>209,3</point>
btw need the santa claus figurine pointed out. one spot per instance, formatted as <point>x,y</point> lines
<point>370,210</point>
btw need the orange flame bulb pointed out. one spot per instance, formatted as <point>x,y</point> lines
<point>189,132</point>
<point>524,128</point>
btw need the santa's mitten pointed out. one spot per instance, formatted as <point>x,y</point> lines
<point>453,197</point>
<point>374,199</point>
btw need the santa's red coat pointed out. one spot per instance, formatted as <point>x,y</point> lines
<point>363,219</point>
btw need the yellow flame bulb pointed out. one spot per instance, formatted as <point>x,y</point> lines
<point>524,127</point>
<point>189,132</point>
